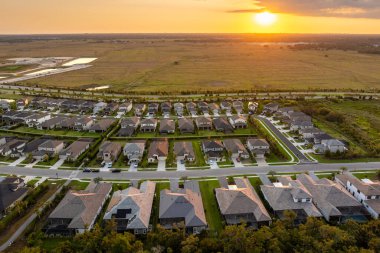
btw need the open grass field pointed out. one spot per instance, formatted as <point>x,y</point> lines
<point>165,64</point>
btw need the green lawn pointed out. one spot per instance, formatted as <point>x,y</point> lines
<point>49,162</point>
<point>210,205</point>
<point>25,129</point>
<point>156,203</point>
<point>324,159</point>
<point>78,185</point>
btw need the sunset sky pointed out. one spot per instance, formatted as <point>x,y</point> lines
<point>198,16</point>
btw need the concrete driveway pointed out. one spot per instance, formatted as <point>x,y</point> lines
<point>261,161</point>
<point>132,167</point>
<point>19,160</point>
<point>161,165</point>
<point>58,164</point>
<point>30,165</point>
<point>180,166</point>
<point>236,163</point>
<point>214,166</point>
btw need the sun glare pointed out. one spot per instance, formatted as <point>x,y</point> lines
<point>265,18</point>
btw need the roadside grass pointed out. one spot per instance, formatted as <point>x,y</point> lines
<point>78,185</point>
<point>68,133</point>
<point>324,159</point>
<point>49,162</point>
<point>213,216</point>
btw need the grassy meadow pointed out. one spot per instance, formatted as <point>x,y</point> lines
<point>154,65</point>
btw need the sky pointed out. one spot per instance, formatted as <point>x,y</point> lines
<point>188,16</point>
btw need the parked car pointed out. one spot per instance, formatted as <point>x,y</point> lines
<point>86,170</point>
<point>116,170</point>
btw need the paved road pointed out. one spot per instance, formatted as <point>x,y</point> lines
<point>289,144</point>
<point>22,228</point>
<point>248,170</point>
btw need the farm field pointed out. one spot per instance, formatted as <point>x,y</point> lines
<point>165,64</point>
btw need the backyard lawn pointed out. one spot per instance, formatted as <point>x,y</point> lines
<point>210,205</point>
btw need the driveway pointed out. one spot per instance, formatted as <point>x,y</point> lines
<point>180,166</point>
<point>214,166</point>
<point>30,165</point>
<point>58,164</point>
<point>236,163</point>
<point>261,161</point>
<point>132,167</point>
<point>161,165</point>
<point>22,158</point>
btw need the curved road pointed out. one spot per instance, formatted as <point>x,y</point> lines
<point>251,170</point>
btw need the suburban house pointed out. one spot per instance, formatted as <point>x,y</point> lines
<point>258,147</point>
<point>296,125</point>
<point>186,126</point>
<point>235,148</point>
<point>238,121</point>
<point>148,125</point>
<point>101,126</point>
<point>270,108</point>
<point>203,123</point>
<point>78,210</point>
<point>139,109</point>
<point>166,108</point>
<point>12,147</point>
<point>158,151</point>
<point>213,150</point>
<point>182,207</point>
<point>111,108</point>
<point>83,123</point>
<point>128,126</point>
<point>12,189</point>
<point>179,108</point>
<point>22,103</point>
<point>215,108</point>
<point>134,151</point>
<point>109,152</point>
<point>238,106</point>
<point>131,208</point>
<point>318,138</point>
<point>252,107</point>
<point>51,123</point>
<point>290,195</point>
<point>308,133</point>
<point>36,119</point>
<point>332,146</point>
<point>98,107</point>
<point>4,105</point>
<point>365,190</point>
<point>222,125</point>
<point>183,150</point>
<point>75,149</point>
<point>125,107</point>
<point>191,108</point>
<point>48,148</point>
<point>153,109</point>
<point>68,123</point>
<point>167,126</point>
<point>226,106</point>
<point>334,202</point>
<point>203,106</point>
<point>239,203</point>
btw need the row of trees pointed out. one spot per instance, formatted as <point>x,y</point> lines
<point>282,236</point>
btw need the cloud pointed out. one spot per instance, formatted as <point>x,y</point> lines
<point>255,10</point>
<point>328,8</point>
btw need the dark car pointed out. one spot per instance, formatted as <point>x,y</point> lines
<point>86,170</point>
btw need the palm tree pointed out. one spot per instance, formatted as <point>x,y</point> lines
<point>343,169</point>
<point>97,180</point>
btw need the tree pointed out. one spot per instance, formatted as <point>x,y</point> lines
<point>343,169</point>
<point>97,180</point>
<point>272,173</point>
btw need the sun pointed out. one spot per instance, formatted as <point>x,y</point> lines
<point>265,18</point>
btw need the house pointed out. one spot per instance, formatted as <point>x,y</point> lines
<point>67,123</point>
<point>308,133</point>
<point>51,123</point>
<point>101,126</point>
<point>213,150</point>
<point>183,150</point>
<point>238,121</point>
<point>134,151</point>
<point>167,126</point>
<point>78,210</point>
<point>129,126</point>
<point>238,106</point>
<point>239,203</point>
<point>153,109</point>
<point>191,107</point>
<point>139,109</point>
<point>166,108</point>
<point>318,138</point>
<point>366,191</point>
<point>109,152</point>
<point>158,151</point>
<point>335,203</point>
<point>300,124</point>
<point>75,149</point>
<point>131,208</point>
<point>125,107</point>
<point>148,125</point>
<point>203,106</point>
<point>12,147</point>
<point>48,148</point>
<point>258,147</point>
<point>290,195</point>
<point>179,108</point>
<point>203,123</point>
<point>111,108</point>
<point>4,105</point>
<point>83,123</point>
<point>98,107</point>
<point>285,111</point>
<point>215,108</point>
<point>22,103</point>
<point>36,119</point>
<point>12,189</point>
<point>235,148</point>
<point>182,207</point>
<point>252,107</point>
<point>186,126</point>
<point>226,106</point>
<point>331,145</point>
<point>222,125</point>
<point>270,108</point>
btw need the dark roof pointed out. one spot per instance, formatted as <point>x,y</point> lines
<point>9,192</point>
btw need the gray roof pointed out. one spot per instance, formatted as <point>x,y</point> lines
<point>167,125</point>
<point>82,207</point>
<point>185,203</point>
<point>184,147</point>
<point>134,146</point>
<point>257,142</point>
<point>367,188</point>
<point>139,201</point>
<point>241,200</point>
<point>10,191</point>
<point>235,146</point>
